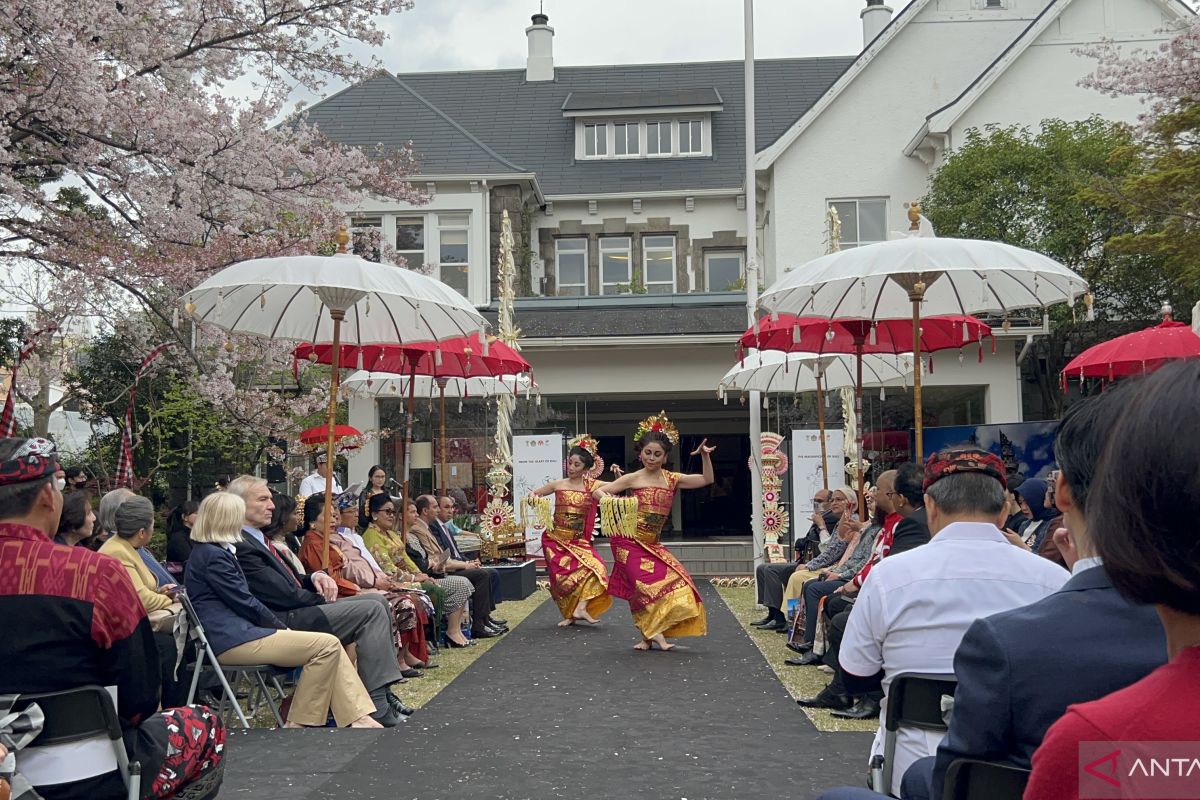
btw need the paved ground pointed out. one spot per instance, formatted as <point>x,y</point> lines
<point>574,713</point>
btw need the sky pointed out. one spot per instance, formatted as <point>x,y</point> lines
<point>487,34</point>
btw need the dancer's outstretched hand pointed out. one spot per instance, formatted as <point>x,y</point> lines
<point>703,448</point>
<point>616,470</point>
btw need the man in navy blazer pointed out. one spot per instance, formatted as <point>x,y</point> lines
<point>1019,670</point>
<point>300,600</point>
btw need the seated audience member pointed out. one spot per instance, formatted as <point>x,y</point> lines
<point>243,631</point>
<point>431,562</point>
<point>1005,720</point>
<point>771,578</point>
<point>306,602</point>
<point>387,546</point>
<point>134,520</point>
<point>1144,532</point>
<point>82,623</point>
<point>912,612</point>
<point>441,531</point>
<point>833,555</point>
<point>134,526</point>
<point>286,520</point>
<point>354,572</point>
<point>1044,518</point>
<point>440,562</point>
<point>179,535</point>
<point>78,519</point>
<point>815,591</point>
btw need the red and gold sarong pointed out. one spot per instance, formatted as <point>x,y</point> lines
<point>576,572</point>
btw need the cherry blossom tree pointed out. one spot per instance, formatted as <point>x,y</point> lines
<point>1161,198</point>
<point>130,169</point>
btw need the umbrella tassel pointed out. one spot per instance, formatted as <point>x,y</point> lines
<point>360,361</point>
<point>460,404</point>
<point>862,286</point>
<point>827,399</point>
<point>882,394</point>
<point>774,316</point>
<point>981,351</point>
<point>993,344</point>
<point>966,332</point>
<point>437,357</point>
<point>767,403</point>
<point>930,365</point>
<point>796,335</point>
<point>983,297</point>
<point>874,338</point>
<point>960,355</point>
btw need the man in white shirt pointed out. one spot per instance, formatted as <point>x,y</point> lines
<point>315,483</point>
<point>914,609</point>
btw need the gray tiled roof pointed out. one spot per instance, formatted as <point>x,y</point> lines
<point>611,101</point>
<point>494,122</point>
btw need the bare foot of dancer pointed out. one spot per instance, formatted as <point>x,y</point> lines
<point>661,642</point>
<point>566,623</point>
<point>582,615</point>
<point>642,645</point>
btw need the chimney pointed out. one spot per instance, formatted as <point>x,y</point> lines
<point>539,66</point>
<point>875,18</point>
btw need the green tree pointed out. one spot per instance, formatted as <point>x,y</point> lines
<point>1042,190</point>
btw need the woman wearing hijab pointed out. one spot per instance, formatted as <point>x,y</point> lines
<point>1038,504</point>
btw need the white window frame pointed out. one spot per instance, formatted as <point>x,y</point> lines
<point>693,149</point>
<point>647,249</point>
<point>558,281</point>
<point>453,225</point>
<point>846,242</point>
<point>624,126</point>
<point>740,255</point>
<point>597,133</point>
<point>421,256</point>
<point>658,125</point>
<point>611,287</point>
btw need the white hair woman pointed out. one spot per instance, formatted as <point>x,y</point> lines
<point>243,631</point>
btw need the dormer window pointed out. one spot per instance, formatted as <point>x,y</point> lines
<point>653,124</point>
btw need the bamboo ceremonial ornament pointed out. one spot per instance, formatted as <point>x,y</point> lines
<point>821,428</point>
<point>618,515</point>
<point>536,513</point>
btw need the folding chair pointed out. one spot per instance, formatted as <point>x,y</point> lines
<point>258,673</point>
<point>914,700</point>
<point>971,779</point>
<point>72,715</point>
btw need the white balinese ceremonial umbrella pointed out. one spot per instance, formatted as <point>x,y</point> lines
<point>892,279</point>
<point>776,372</point>
<point>332,299</point>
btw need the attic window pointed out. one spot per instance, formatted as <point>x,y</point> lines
<point>1000,4</point>
<point>660,137</point>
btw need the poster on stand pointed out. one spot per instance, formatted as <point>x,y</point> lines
<point>537,460</point>
<point>805,468</point>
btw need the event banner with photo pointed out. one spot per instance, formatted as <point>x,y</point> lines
<point>1026,448</point>
<point>805,467</point>
<point>537,460</point>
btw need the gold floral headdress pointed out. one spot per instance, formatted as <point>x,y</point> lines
<point>657,422</point>
<point>586,442</point>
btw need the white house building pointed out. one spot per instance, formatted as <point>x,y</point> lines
<point>625,186</point>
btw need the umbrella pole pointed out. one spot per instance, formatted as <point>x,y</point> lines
<point>858,415</point>
<point>408,426</point>
<point>916,294</point>
<point>331,417</point>
<point>821,429</point>
<point>442,445</point>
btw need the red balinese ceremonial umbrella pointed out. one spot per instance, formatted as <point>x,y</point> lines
<point>792,334</point>
<point>1135,353</point>
<point>462,357</point>
<point>320,434</point>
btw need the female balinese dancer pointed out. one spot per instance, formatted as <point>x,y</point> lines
<point>578,578</point>
<point>661,594</point>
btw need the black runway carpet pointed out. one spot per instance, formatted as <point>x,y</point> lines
<point>575,713</point>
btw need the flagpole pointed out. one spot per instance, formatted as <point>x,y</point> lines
<point>752,271</point>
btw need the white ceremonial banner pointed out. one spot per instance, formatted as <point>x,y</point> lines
<point>537,460</point>
<point>805,466</point>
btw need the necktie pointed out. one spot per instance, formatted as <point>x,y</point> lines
<point>282,563</point>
